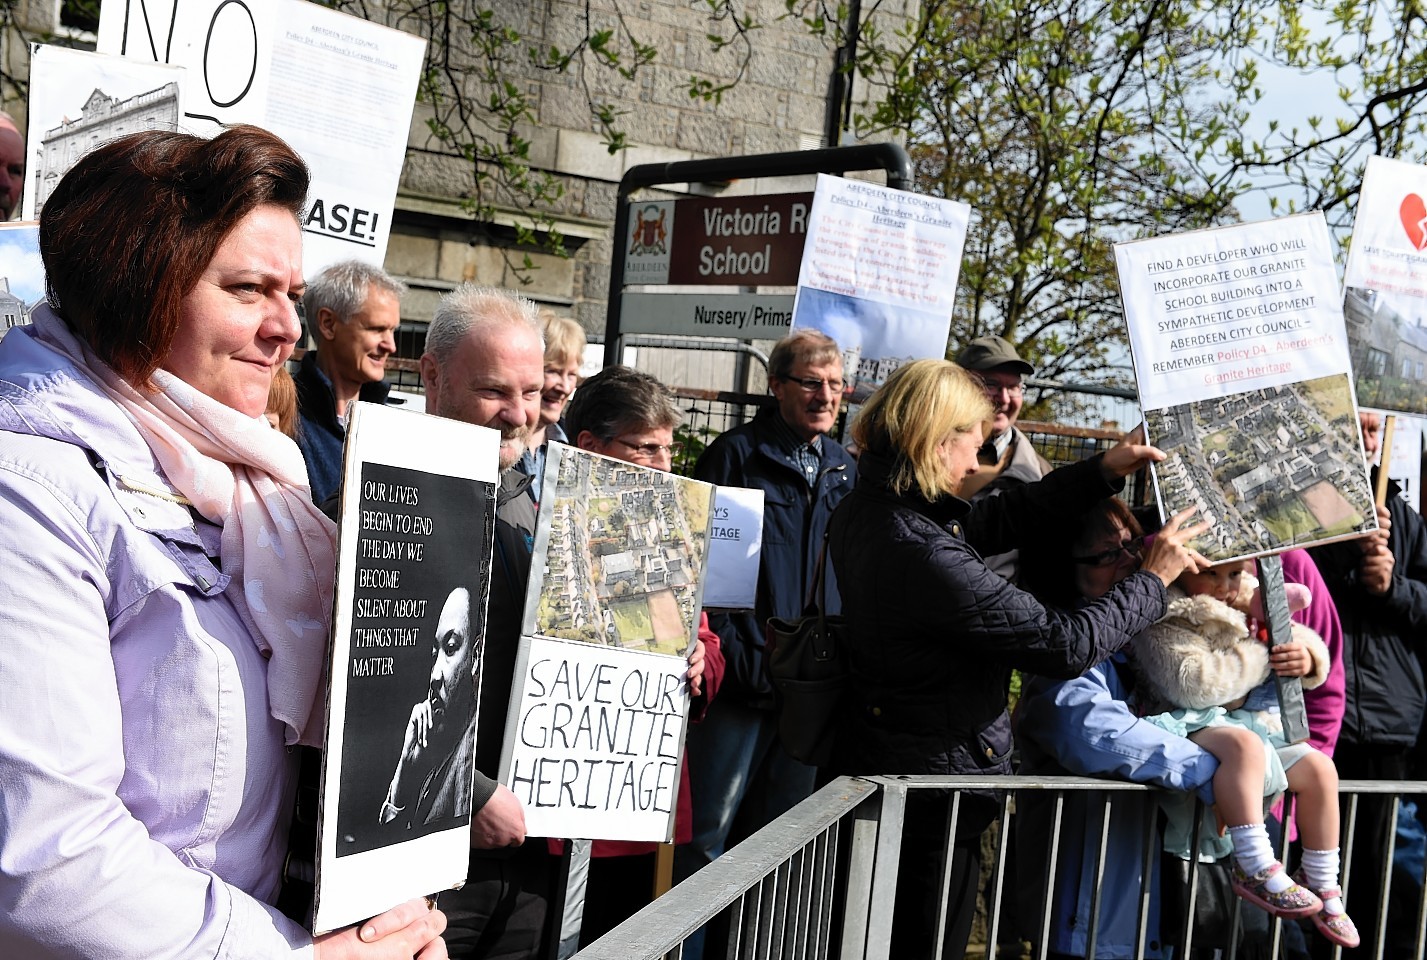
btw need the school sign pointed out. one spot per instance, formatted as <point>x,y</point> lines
<point>754,241</point>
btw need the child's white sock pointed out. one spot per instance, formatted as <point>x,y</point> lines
<point>1254,854</point>
<point>1320,869</point>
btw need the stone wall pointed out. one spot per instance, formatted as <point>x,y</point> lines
<point>779,104</point>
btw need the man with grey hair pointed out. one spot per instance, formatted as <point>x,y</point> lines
<point>740,770</point>
<point>485,364</point>
<point>353,310</point>
<point>12,165</point>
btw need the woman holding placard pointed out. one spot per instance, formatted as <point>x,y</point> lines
<point>166,589</point>
<point>934,633</point>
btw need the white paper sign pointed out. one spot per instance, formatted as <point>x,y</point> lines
<point>1385,287</point>
<point>1405,459</point>
<point>593,740</point>
<point>879,275</point>
<point>1241,361</point>
<point>79,100</point>
<point>337,88</point>
<point>735,543</point>
<point>1231,309</point>
<point>1389,249</point>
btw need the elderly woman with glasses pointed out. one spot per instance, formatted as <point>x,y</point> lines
<point>934,634</point>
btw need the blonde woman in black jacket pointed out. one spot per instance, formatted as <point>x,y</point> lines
<point>934,632</point>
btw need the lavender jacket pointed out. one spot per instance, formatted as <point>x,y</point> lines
<point>146,790</point>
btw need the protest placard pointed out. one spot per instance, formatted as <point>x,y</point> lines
<point>337,88</point>
<point>79,100</point>
<point>413,576</point>
<point>1240,357</point>
<point>879,275</point>
<point>22,273</point>
<point>735,545</point>
<point>597,715</point>
<point>1405,456</point>
<point>594,740</point>
<point>1385,287</point>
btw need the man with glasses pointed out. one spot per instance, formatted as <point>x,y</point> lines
<point>627,415</point>
<point>1007,458</point>
<point>739,768</point>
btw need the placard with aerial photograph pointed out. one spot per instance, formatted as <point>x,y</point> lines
<point>595,731</point>
<point>1241,360</point>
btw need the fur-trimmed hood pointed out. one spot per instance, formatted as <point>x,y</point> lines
<point>1202,655</point>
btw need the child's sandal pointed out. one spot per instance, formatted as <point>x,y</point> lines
<point>1296,901</point>
<point>1336,927</point>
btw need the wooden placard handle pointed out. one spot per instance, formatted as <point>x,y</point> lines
<point>1380,490</point>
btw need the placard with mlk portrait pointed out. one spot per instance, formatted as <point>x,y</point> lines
<point>414,654</point>
<point>416,529</point>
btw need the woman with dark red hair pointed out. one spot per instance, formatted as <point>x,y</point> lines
<point>166,584</point>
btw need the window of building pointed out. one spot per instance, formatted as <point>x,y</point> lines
<point>80,15</point>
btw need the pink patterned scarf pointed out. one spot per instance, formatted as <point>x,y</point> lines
<point>277,547</point>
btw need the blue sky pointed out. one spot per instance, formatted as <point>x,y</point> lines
<point>20,260</point>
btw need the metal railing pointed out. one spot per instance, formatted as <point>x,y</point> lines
<point>820,881</point>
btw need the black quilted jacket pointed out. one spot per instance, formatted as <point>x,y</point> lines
<point>934,633</point>
<point>1383,636</point>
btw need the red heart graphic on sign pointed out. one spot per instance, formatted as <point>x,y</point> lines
<point>1414,219</point>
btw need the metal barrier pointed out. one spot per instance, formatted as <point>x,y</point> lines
<point>820,881</point>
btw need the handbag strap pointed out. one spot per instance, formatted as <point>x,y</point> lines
<point>817,594</point>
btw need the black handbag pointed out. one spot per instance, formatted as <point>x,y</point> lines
<point>1214,900</point>
<point>807,660</point>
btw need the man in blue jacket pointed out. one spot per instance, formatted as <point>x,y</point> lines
<point>738,768</point>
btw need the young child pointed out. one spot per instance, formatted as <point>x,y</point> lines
<point>1209,667</point>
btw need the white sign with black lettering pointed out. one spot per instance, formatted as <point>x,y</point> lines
<point>337,88</point>
<point>1237,308</point>
<point>735,544</point>
<point>1241,360</point>
<point>748,316</point>
<point>879,276</point>
<point>594,739</point>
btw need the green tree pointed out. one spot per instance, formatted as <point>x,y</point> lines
<point>1069,125</point>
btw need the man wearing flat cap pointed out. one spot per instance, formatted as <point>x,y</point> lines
<point>1007,457</point>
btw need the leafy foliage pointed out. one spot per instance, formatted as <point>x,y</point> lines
<point>1067,125</point>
